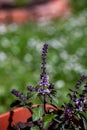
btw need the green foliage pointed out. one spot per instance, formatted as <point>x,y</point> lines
<point>84,120</point>
<point>20,55</point>
<point>47,119</point>
<point>37,113</point>
<point>21,3</point>
<point>34,128</point>
<point>79,5</point>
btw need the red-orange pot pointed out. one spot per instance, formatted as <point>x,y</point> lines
<point>18,115</point>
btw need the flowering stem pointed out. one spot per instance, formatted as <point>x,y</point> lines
<point>44,104</point>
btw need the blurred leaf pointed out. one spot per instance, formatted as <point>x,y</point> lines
<point>47,119</point>
<point>35,128</point>
<point>83,121</point>
<point>37,113</point>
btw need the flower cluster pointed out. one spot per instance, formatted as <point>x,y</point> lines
<point>76,105</point>
<point>43,87</point>
<point>43,67</point>
<point>79,100</point>
<point>31,88</point>
<point>44,78</point>
<point>75,91</point>
<point>19,95</point>
<point>71,116</point>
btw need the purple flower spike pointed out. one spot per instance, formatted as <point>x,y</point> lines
<point>31,89</point>
<point>51,86</point>
<point>19,95</point>
<point>44,91</point>
<point>44,77</point>
<point>83,77</point>
<point>79,108</point>
<point>44,54</point>
<point>77,102</point>
<point>44,81</point>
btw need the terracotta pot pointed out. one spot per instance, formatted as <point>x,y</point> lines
<point>18,115</point>
<point>23,114</point>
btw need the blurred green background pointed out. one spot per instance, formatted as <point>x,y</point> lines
<point>20,53</point>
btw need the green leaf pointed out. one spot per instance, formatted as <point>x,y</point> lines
<point>37,113</point>
<point>35,128</point>
<point>47,119</point>
<point>84,120</point>
<point>55,100</point>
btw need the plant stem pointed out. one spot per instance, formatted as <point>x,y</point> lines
<point>44,104</point>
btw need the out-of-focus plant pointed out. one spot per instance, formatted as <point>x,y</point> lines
<point>67,40</point>
<point>21,3</point>
<point>78,5</point>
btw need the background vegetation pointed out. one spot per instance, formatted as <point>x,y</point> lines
<point>20,54</point>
